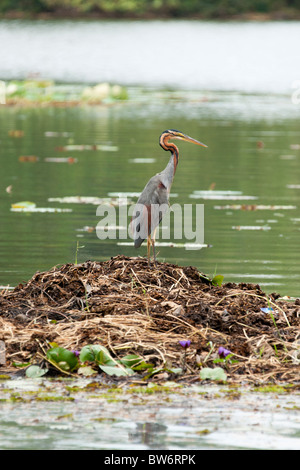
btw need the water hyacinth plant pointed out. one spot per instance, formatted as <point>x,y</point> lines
<point>223,352</point>
<point>90,359</point>
<point>185,344</point>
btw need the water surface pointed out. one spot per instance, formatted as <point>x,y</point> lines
<point>227,56</point>
<point>268,254</point>
<point>68,414</point>
<point>234,92</point>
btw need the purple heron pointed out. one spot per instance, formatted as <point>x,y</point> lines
<point>153,202</point>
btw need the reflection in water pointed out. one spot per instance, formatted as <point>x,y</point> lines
<point>153,435</point>
<point>193,417</point>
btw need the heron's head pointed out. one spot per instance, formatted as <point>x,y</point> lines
<point>174,134</point>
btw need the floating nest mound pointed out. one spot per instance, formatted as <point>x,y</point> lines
<point>130,308</point>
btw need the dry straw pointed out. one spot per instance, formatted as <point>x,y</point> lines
<point>129,308</point>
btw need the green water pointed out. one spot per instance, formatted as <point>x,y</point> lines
<point>231,125</point>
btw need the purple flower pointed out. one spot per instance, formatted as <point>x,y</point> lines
<point>185,343</point>
<point>76,353</point>
<point>223,352</point>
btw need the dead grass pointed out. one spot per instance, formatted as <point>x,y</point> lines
<point>129,308</point>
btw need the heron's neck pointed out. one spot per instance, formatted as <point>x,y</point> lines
<point>167,175</point>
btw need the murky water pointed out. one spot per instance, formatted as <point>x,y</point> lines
<point>45,414</point>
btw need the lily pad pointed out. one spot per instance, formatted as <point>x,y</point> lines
<point>34,372</point>
<point>118,371</point>
<point>218,374</point>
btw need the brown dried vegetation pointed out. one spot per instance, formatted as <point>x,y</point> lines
<point>131,308</point>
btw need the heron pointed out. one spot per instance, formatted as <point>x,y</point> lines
<point>153,202</point>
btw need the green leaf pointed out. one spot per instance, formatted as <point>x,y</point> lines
<point>116,370</point>
<point>217,374</point>
<point>65,359</point>
<point>153,372</point>
<point>142,366</point>
<point>86,371</point>
<point>89,352</point>
<point>217,280</point>
<point>21,364</point>
<point>177,370</point>
<point>34,372</point>
<point>131,360</point>
<point>104,358</point>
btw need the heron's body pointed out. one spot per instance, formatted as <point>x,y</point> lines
<point>154,199</point>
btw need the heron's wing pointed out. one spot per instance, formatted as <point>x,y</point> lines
<point>149,210</point>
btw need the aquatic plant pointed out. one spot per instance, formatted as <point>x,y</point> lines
<point>185,344</point>
<point>223,352</point>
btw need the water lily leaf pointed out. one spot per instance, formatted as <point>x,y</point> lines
<point>116,370</point>
<point>86,371</point>
<point>217,374</point>
<point>34,372</point>
<point>65,359</point>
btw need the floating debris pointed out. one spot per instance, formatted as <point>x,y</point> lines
<point>82,147</point>
<point>57,134</point>
<point>39,209</point>
<point>287,157</point>
<point>187,246</point>
<point>217,192</point>
<point>28,158</point>
<point>16,133</point>
<point>28,206</point>
<point>142,160</point>
<point>116,202</point>
<point>61,160</point>
<point>295,146</point>
<point>132,194</point>
<point>110,227</point>
<point>251,227</point>
<point>124,194</point>
<point>212,194</point>
<point>23,205</point>
<point>254,207</point>
<point>293,186</point>
<point>86,228</point>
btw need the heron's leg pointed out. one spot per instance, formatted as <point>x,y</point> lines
<point>148,248</point>
<point>153,246</point>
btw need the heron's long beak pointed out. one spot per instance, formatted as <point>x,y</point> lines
<point>187,139</point>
